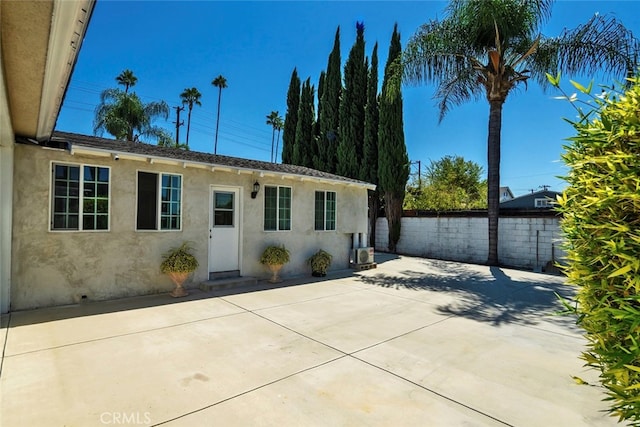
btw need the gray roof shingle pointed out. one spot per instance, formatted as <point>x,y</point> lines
<point>142,149</point>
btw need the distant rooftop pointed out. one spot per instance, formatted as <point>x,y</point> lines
<point>537,199</point>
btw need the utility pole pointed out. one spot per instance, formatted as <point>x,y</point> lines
<point>178,123</point>
<point>419,162</point>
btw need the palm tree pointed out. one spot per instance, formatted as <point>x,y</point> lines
<point>125,116</point>
<point>274,120</point>
<point>221,83</point>
<point>488,47</point>
<point>279,126</point>
<point>190,97</point>
<point>127,79</point>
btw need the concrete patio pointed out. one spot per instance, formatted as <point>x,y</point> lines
<point>415,342</point>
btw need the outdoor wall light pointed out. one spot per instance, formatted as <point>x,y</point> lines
<point>256,188</point>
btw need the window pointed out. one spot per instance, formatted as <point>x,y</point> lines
<point>543,203</point>
<point>277,208</point>
<point>325,211</point>
<point>159,201</point>
<point>223,209</point>
<point>80,197</point>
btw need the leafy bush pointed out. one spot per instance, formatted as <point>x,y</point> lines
<point>275,255</point>
<point>450,183</point>
<point>601,223</point>
<point>320,261</point>
<point>179,260</point>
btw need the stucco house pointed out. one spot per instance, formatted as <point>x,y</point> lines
<point>93,216</point>
<point>39,44</point>
<point>86,217</point>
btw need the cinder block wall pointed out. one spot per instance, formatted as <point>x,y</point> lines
<point>522,242</point>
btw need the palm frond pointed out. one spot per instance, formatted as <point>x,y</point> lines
<point>112,94</point>
<point>440,53</point>
<point>436,51</point>
<point>601,45</point>
<point>458,89</point>
<point>220,82</point>
<point>518,58</point>
<point>272,118</point>
<point>126,79</point>
<point>157,109</point>
<point>514,19</point>
<point>191,97</point>
<point>101,112</point>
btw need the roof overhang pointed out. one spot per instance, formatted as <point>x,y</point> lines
<point>212,167</point>
<point>40,42</point>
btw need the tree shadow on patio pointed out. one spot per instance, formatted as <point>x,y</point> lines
<point>485,294</point>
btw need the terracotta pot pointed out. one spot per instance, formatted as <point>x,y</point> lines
<point>275,269</point>
<point>178,279</point>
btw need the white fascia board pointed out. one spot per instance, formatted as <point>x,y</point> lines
<point>7,137</point>
<point>68,25</point>
<point>6,196</point>
<point>124,155</point>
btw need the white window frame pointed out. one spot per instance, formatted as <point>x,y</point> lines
<point>543,203</point>
<point>324,215</point>
<point>159,202</point>
<point>52,197</point>
<point>277,229</point>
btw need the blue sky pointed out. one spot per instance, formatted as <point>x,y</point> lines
<point>173,45</point>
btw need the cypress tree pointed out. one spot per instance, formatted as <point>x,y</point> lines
<point>329,110</point>
<point>318,161</point>
<point>303,149</point>
<point>321,85</point>
<point>291,118</point>
<point>352,108</point>
<point>393,162</point>
<point>369,166</point>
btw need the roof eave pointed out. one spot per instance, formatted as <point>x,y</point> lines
<point>149,158</point>
<point>68,26</point>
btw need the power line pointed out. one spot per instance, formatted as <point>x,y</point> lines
<point>224,136</point>
<point>255,134</point>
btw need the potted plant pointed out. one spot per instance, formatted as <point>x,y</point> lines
<point>320,262</point>
<point>178,264</point>
<point>275,257</point>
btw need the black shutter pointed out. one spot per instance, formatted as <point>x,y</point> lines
<point>147,201</point>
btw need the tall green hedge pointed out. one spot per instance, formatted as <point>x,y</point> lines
<point>393,160</point>
<point>601,209</point>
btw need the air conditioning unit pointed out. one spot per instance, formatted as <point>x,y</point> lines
<point>363,256</point>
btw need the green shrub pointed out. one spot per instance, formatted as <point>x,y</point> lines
<point>179,260</point>
<point>601,209</point>
<point>320,261</point>
<point>275,255</point>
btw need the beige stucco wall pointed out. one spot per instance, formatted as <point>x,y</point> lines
<point>53,268</point>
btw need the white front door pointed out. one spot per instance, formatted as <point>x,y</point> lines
<point>224,229</point>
